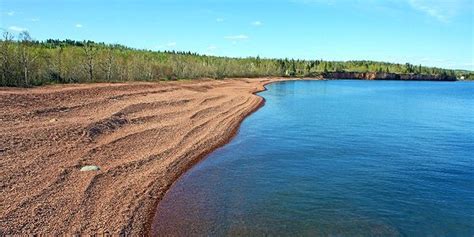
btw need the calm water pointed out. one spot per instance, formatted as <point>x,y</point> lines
<point>339,158</point>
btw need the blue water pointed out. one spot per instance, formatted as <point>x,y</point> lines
<point>338,158</point>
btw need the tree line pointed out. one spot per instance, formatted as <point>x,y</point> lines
<point>28,62</point>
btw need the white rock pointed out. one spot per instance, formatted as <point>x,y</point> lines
<point>90,168</point>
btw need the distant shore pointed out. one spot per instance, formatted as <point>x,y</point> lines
<point>135,139</point>
<point>53,61</point>
<point>386,76</point>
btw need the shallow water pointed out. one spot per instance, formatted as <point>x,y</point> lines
<point>344,158</point>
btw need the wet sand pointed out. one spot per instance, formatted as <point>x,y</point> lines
<point>142,136</point>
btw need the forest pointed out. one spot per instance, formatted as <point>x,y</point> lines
<point>26,62</point>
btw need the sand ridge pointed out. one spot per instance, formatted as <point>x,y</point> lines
<point>143,136</point>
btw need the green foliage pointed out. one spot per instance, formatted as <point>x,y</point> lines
<point>25,62</point>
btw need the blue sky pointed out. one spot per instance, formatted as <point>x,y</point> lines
<point>429,32</point>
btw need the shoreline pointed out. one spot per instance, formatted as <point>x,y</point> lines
<point>233,133</point>
<point>123,195</point>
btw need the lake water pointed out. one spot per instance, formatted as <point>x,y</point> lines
<point>339,158</point>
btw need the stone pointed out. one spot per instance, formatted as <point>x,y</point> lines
<point>90,168</point>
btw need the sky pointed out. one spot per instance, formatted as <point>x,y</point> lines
<point>428,32</point>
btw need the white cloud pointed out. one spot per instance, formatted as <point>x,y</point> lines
<point>79,25</point>
<point>442,10</point>
<point>421,5</point>
<point>257,23</point>
<point>327,2</point>
<point>236,37</point>
<point>211,48</point>
<point>163,46</point>
<point>17,29</point>
<point>220,20</point>
<point>34,19</point>
<point>468,66</point>
<point>10,13</point>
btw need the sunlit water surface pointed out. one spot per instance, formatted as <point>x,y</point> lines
<point>341,158</point>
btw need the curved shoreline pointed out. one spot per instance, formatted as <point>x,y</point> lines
<point>233,132</point>
<point>49,133</point>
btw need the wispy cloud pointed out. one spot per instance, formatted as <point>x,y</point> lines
<point>34,19</point>
<point>429,8</point>
<point>327,2</point>
<point>17,28</point>
<point>236,37</point>
<point>257,23</point>
<point>211,48</point>
<point>442,63</point>
<point>79,25</point>
<point>220,20</point>
<point>167,45</point>
<point>469,66</point>
<point>442,10</point>
<point>10,13</point>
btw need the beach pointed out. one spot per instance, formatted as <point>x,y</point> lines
<point>131,140</point>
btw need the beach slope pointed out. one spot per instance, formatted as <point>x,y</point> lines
<point>140,136</point>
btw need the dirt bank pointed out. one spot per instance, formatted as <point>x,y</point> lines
<point>142,136</point>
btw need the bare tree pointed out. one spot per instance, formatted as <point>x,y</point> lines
<point>59,63</point>
<point>108,64</point>
<point>89,63</point>
<point>6,57</point>
<point>124,68</point>
<point>178,66</point>
<point>27,56</point>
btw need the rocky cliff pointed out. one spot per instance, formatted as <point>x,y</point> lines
<point>386,76</point>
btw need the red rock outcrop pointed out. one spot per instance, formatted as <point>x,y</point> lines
<point>386,76</point>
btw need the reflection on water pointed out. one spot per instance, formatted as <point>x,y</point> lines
<point>380,158</point>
